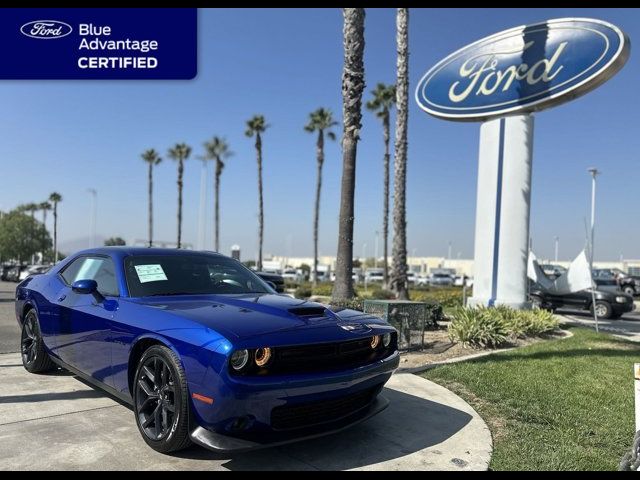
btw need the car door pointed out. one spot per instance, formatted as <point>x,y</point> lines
<point>83,338</point>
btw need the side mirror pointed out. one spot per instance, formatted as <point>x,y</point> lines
<point>87,287</point>
<point>272,285</point>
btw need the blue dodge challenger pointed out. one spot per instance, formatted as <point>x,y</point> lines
<point>203,349</point>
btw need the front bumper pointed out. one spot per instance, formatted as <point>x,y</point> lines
<point>251,402</point>
<point>228,444</point>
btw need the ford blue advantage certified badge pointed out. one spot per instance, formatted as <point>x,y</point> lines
<point>98,43</point>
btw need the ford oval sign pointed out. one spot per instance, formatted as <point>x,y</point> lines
<point>46,29</point>
<point>523,69</point>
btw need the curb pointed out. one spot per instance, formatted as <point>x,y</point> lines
<point>565,334</point>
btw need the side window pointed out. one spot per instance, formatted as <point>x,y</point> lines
<point>100,269</point>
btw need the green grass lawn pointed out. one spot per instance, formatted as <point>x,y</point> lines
<point>557,405</point>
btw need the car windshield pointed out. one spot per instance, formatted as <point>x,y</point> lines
<point>156,275</point>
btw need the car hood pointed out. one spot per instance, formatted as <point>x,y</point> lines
<point>248,315</point>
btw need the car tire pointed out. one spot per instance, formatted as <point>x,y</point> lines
<point>160,386</point>
<point>35,358</point>
<point>629,290</point>
<point>603,309</point>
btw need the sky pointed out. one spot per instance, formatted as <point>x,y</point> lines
<point>68,136</point>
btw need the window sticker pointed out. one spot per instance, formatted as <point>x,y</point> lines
<point>150,273</point>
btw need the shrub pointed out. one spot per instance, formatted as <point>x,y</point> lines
<point>303,291</point>
<point>478,327</point>
<point>490,327</point>
<point>447,297</point>
<point>354,304</point>
<point>323,289</point>
<point>532,323</point>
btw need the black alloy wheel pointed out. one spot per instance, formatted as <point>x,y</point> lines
<point>160,400</point>
<point>34,356</point>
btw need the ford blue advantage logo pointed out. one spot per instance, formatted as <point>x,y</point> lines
<point>46,29</point>
<point>526,68</point>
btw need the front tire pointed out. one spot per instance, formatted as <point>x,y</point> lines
<point>34,355</point>
<point>161,400</point>
<point>603,310</point>
<point>629,290</point>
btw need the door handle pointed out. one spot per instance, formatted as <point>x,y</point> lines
<point>61,298</point>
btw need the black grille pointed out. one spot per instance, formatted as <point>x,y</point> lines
<point>315,413</point>
<point>328,356</point>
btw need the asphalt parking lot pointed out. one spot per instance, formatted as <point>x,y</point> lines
<point>627,326</point>
<point>9,332</point>
<point>70,425</point>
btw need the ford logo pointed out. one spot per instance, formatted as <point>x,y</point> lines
<point>526,68</point>
<point>46,29</point>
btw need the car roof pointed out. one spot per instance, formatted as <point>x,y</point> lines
<point>142,251</point>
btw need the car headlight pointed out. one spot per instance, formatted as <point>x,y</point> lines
<point>386,340</point>
<point>262,357</point>
<point>621,299</point>
<point>375,341</point>
<point>239,359</point>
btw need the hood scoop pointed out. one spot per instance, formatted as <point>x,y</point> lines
<point>308,312</point>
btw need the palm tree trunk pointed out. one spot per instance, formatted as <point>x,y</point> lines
<point>399,280</point>
<point>385,209</point>
<point>316,220</point>
<point>352,88</point>
<point>150,204</point>
<point>55,232</point>
<point>217,202</point>
<point>180,172</point>
<point>44,232</point>
<point>260,204</point>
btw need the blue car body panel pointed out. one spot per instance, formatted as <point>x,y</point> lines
<point>96,339</point>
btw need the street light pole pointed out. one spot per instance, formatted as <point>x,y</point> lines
<point>364,253</point>
<point>557,239</point>
<point>375,260</point>
<point>92,223</point>
<point>594,172</point>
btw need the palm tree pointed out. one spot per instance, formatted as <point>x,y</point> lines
<point>399,280</point>
<point>151,158</point>
<point>55,198</point>
<point>180,152</point>
<point>257,125</point>
<point>217,150</point>
<point>319,121</point>
<point>384,97</point>
<point>352,88</point>
<point>44,208</point>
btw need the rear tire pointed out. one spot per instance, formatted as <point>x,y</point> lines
<point>34,355</point>
<point>161,400</point>
<point>603,309</point>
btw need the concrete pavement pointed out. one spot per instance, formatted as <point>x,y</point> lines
<point>56,422</point>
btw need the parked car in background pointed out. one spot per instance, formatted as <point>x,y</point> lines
<point>462,281</point>
<point>292,275</point>
<point>412,278</point>
<point>610,301</point>
<point>277,280</point>
<point>4,271</point>
<point>626,283</point>
<point>13,274</point>
<point>440,279</point>
<point>32,270</point>
<point>372,275</point>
